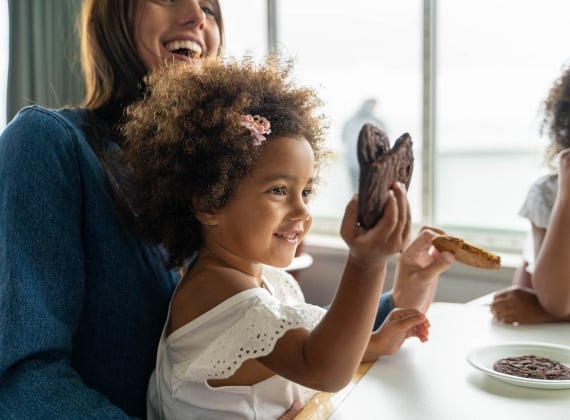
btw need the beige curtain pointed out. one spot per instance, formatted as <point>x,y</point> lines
<point>44,63</point>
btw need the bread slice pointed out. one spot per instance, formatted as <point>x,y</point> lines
<point>467,253</point>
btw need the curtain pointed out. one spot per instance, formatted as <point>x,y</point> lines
<point>44,66</point>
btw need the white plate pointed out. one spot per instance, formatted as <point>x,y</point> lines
<point>484,357</point>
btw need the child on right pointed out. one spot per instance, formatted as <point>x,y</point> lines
<point>541,285</point>
<point>224,163</point>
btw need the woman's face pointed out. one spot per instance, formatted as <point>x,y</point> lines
<point>184,30</point>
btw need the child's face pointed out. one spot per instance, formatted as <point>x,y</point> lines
<point>269,216</point>
<point>183,30</point>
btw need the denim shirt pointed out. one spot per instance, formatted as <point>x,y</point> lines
<point>82,302</point>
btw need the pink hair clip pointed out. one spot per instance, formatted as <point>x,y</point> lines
<point>257,125</point>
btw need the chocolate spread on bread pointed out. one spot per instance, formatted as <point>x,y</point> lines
<point>531,366</point>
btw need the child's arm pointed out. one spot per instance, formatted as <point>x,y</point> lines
<point>520,304</point>
<point>551,278</point>
<point>532,243</point>
<point>521,277</point>
<point>327,357</point>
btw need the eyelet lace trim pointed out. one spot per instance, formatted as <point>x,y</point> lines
<point>252,336</point>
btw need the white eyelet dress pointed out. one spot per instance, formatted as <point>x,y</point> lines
<point>214,345</point>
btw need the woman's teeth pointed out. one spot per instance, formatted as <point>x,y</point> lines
<point>187,48</point>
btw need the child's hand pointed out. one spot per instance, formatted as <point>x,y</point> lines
<point>418,271</point>
<point>292,412</point>
<point>399,325</point>
<point>519,304</point>
<point>389,236</point>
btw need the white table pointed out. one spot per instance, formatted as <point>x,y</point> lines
<point>433,380</point>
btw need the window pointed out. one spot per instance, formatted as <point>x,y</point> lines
<point>354,52</point>
<point>245,27</point>
<point>493,63</point>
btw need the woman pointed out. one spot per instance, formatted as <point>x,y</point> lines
<point>82,300</point>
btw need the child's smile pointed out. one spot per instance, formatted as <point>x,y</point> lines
<point>269,216</point>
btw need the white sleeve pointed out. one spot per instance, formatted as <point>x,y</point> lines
<point>539,201</point>
<point>259,322</point>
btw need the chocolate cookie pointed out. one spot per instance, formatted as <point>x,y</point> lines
<point>531,366</point>
<point>380,167</point>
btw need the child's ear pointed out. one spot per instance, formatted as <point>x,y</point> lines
<point>205,216</point>
<point>207,219</point>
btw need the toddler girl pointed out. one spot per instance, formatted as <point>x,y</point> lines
<point>224,163</point>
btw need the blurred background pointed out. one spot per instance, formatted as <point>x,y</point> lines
<point>466,79</point>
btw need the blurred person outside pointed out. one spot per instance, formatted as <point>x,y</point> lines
<point>351,128</point>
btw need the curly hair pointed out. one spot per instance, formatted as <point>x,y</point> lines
<point>556,117</point>
<point>187,151</point>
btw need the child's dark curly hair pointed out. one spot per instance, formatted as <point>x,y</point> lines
<point>187,150</point>
<point>556,117</point>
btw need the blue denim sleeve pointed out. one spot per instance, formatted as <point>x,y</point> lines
<point>385,306</point>
<point>41,274</point>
